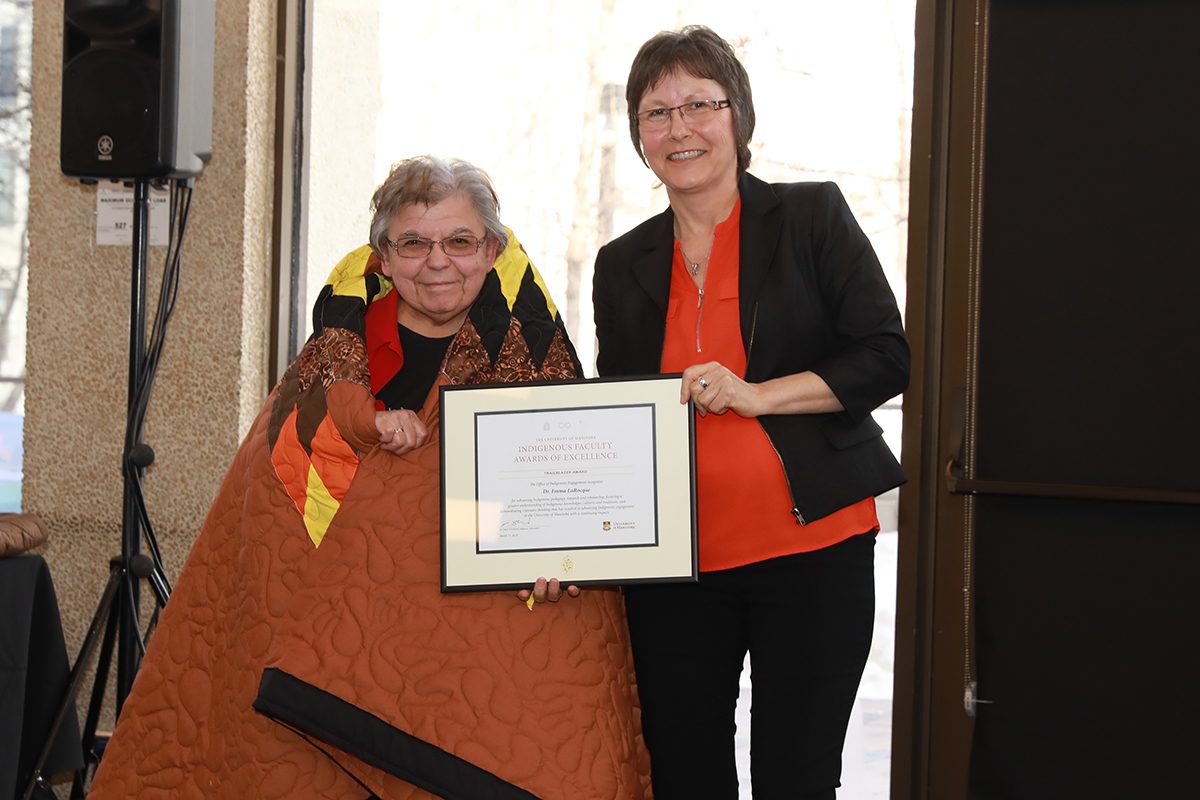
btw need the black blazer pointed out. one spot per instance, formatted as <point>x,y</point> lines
<point>812,297</point>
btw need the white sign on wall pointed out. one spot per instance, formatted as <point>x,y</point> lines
<point>114,215</point>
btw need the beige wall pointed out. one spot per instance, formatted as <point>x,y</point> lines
<point>213,376</point>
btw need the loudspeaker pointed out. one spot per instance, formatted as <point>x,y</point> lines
<point>137,93</point>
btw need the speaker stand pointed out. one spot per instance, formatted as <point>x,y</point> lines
<point>117,610</point>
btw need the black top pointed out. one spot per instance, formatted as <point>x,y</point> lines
<point>423,358</point>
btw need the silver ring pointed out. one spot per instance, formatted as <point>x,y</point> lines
<point>397,430</point>
<point>703,383</point>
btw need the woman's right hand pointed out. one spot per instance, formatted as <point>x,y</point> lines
<point>400,430</point>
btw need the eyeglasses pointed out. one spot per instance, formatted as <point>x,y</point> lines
<point>695,111</point>
<point>462,244</point>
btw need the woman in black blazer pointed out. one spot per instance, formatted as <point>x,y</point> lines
<point>770,301</point>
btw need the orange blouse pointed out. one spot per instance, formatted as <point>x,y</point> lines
<point>742,496</point>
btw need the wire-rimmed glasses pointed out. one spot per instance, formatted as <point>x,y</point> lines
<point>460,244</point>
<point>693,111</point>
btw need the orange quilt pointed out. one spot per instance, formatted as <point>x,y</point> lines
<point>307,651</point>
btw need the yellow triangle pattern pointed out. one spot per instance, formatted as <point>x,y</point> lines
<point>319,509</point>
<point>510,268</point>
<point>347,277</point>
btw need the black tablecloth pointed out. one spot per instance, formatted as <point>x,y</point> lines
<point>33,675</point>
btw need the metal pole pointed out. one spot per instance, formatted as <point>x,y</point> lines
<point>128,654</point>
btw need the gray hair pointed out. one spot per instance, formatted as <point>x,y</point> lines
<point>429,180</point>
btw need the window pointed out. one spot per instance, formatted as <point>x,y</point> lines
<point>9,61</point>
<point>533,92</point>
<point>15,41</point>
<point>8,189</point>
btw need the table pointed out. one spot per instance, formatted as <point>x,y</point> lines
<point>34,669</point>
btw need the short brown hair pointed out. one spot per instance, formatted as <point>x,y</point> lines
<point>700,51</point>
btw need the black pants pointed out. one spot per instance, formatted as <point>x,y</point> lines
<point>806,620</point>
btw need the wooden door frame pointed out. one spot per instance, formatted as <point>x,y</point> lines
<point>931,731</point>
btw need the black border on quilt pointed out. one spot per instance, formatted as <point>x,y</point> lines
<point>310,709</point>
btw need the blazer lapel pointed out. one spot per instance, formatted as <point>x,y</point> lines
<point>652,264</point>
<point>760,225</point>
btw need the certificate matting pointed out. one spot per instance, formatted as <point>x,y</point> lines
<point>590,482</point>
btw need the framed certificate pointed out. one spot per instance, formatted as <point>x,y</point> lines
<point>590,482</point>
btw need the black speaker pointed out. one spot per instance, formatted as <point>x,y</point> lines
<point>137,93</point>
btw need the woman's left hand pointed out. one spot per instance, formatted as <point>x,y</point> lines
<point>547,590</point>
<point>715,389</point>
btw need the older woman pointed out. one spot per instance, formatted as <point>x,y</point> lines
<point>770,301</point>
<point>307,650</point>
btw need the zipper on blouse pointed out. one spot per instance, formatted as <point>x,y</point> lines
<point>699,317</point>
<point>753,328</point>
<point>800,520</point>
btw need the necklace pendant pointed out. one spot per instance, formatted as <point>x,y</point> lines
<point>694,268</point>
